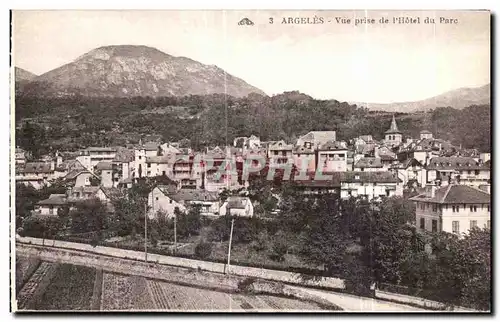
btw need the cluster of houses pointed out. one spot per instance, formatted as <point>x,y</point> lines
<point>450,184</point>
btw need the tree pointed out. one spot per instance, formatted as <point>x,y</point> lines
<point>220,229</point>
<point>26,198</point>
<point>203,250</point>
<point>88,216</point>
<point>32,138</point>
<point>41,226</point>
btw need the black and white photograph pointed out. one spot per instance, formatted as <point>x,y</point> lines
<point>250,161</point>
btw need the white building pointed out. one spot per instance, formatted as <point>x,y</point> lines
<point>454,209</point>
<point>314,139</point>
<point>332,156</point>
<point>371,185</point>
<point>51,206</point>
<point>237,206</point>
<point>160,200</point>
<point>280,153</point>
<point>91,156</point>
<point>462,170</point>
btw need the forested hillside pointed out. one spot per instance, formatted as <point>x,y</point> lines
<point>75,122</point>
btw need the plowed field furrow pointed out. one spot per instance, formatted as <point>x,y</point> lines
<point>270,301</point>
<point>178,297</point>
<point>117,292</point>
<point>33,289</point>
<point>141,298</point>
<point>25,267</point>
<point>70,289</point>
<point>161,299</point>
<point>243,303</point>
<point>258,303</point>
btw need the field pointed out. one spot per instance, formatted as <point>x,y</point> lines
<point>70,287</point>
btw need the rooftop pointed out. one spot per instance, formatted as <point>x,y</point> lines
<point>54,199</point>
<point>456,194</point>
<point>367,162</point>
<point>235,202</point>
<point>104,165</point>
<point>37,167</point>
<point>455,163</point>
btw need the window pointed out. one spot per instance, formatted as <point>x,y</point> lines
<point>275,152</point>
<point>157,198</point>
<point>149,173</point>
<point>163,173</point>
<point>434,208</point>
<point>488,224</point>
<point>488,208</point>
<point>434,225</point>
<point>422,206</point>
<point>149,165</point>
<point>140,157</point>
<point>473,208</point>
<point>473,224</point>
<point>422,223</point>
<point>455,227</point>
<point>171,200</point>
<point>454,208</point>
<point>476,172</point>
<point>469,172</point>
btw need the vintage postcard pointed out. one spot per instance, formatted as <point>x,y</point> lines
<point>251,161</point>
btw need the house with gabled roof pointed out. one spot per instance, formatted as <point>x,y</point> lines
<point>51,205</point>
<point>314,139</point>
<point>79,178</point>
<point>280,153</point>
<point>369,164</point>
<point>462,170</point>
<point>237,206</point>
<point>454,209</point>
<point>411,170</point>
<point>160,200</point>
<point>36,174</point>
<point>304,158</point>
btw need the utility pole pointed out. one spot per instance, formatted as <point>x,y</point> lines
<point>229,248</point>
<point>175,233</point>
<point>146,232</point>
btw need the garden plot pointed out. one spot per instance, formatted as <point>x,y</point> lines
<point>25,267</point>
<point>30,294</point>
<point>125,292</point>
<point>174,297</point>
<point>70,289</point>
<point>288,304</point>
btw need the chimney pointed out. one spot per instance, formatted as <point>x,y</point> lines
<point>430,190</point>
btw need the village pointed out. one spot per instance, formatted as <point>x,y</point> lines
<point>449,186</point>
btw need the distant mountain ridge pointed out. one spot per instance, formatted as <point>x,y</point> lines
<point>23,75</point>
<point>127,70</point>
<point>458,98</point>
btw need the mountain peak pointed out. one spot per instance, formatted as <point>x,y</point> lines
<point>131,70</point>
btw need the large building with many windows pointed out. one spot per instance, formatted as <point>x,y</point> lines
<point>454,209</point>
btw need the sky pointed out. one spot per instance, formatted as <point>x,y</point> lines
<point>376,62</point>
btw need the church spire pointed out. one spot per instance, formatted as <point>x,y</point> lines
<point>394,126</point>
